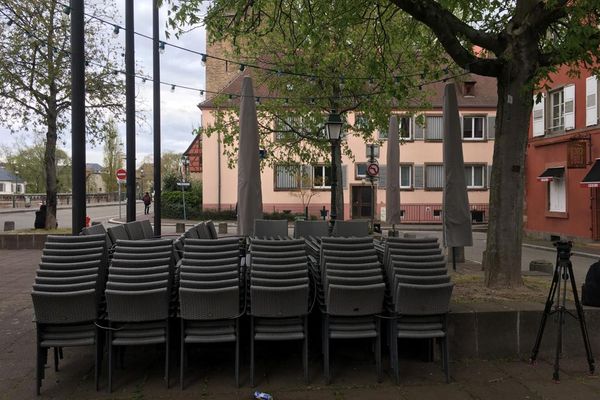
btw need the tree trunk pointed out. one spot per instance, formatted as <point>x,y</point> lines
<point>339,206</point>
<point>50,167</point>
<point>502,261</point>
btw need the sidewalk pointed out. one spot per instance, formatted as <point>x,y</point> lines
<point>35,207</point>
<point>278,371</point>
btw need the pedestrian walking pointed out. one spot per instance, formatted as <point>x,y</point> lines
<point>147,201</point>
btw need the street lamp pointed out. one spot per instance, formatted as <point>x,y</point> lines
<point>15,190</point>
<point>184,165</point>
<point>333,127</point>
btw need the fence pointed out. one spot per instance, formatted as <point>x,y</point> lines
<point>432,213</point>
<point>34,199</point>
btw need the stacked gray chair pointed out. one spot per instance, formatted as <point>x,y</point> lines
<point>98,229</point>
<point>270,228</point>
<point>359,228</point>
<point>420,291</point>
<point>212,230</point>
<point>67,297</point>
<point>203,231</point>
<point>209,295</point>
<point>279,292</point>
<point>147,229</point>
<point>306,229</point>
<point>117,232</point>
<point>352,291</point>
<point>135,230</point>
<point>140,296</point>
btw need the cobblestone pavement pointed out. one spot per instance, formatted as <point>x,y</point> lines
<point>279,371</point>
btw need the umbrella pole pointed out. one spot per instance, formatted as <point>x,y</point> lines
<point>454,258</point>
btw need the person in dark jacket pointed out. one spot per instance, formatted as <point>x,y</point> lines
<point>40,218</point>
<point>147,201</point>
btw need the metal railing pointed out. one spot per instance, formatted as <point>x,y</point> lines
<point>34,199</point>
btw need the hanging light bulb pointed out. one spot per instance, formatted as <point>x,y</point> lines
<point>257,100</point>
<point>116,31</point>
<point>371,82</point>
<point>143,80</point>
<point>172,88</point>
<point>242,67</point>
<point>202,93</point>
<point>285,101</point>
<point>342,82</point>
<point>203,59</point>
<point>10,22</point>
<point>161,47</point>
<point>67,10</point>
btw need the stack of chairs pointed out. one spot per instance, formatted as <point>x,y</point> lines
<point>271,228</point>
<point>67,297</point>
<point>351,295</point>
<point>210,288</point>
<point>279,292</point>
<point>355,228</point>
<point>140,296</point>
<point>419,297</point>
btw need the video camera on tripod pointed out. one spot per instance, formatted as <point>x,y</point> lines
<point>563,249</point>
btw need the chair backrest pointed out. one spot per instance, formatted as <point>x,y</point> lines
<point>135,230</point>
<point>117,232</point>
<point>415,299</point>
<point>270,228</point>
<point>212,230</point>
<point>311,229</point>
<point>97,229</point>
<point>203,231</point>
<point>147,229</point>
<point>351,228</point>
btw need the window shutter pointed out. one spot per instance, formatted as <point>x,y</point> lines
<point>538,117</point>
<point>419,132</point>
<point>569,93</point>
<point>591,101</point>
<point>435,128</point>
<point>419,176</point>
<point>488,182</point>
<point>344,176</point>
<point>382,176</point>
<point>491,127</point>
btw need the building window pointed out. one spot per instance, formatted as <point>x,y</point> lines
<point>285,128</point>
<point>360,170</point>
<point>406,177</point>
<point>322,177</point>
<point>434,127</point>
<point>557,110</point>
<point>19,188</point>
<point>474,176</point>
<point>557,195</point>
<point>473,128</point>
<point>434,177</point>
<point>287,177</point>
<point>383,134</point>
<point>405,128</point>
<point>2,188</point>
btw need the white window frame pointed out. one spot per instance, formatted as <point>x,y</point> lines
<point>410,176</point>
<point>323,169</point>
<point>591,101</point>
<point>410,127</point>
<point>556,123</point>
<point>472,170</point>
<point>538,117</point>
<point>473,118</point>
<point>276,186</point>
<point>2,187</point>
<point>357,174</point>
<point>557,195</point>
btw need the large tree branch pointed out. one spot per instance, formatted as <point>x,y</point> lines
<point>449,29</point>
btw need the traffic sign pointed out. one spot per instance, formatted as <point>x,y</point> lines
<point>184,184</point>
<point>373,169</point>
<point>121,174</point>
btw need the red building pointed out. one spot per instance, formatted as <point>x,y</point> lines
<point>194,155</point>
<point>564,143</point>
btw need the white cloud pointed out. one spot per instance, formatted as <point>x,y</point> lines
<point>179,112</point>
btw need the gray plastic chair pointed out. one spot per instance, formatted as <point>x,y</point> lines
<point>147,229</point>
<point>279,292</point>
<point>350,228</point>
<point>117,232</point>
<point>135,230</point>
<point>315,229</point>
<point>270,228</point>
<point>212,230</point>
<point>203,231</point>
<point>209,295</point>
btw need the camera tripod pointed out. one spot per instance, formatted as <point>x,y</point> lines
<point>563,272</point>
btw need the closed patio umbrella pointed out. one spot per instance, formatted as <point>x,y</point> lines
<point>249,205</point>
<point>456,214</point>
<point>392,190</point>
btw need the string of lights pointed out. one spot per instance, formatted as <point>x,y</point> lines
<point>231,96</point>
<point>243,65</point>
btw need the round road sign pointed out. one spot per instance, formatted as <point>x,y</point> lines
<point>373,169</point>
<point>121,174</point>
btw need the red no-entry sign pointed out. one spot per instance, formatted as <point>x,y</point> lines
<point>373,169</point>
<point>121,174</point>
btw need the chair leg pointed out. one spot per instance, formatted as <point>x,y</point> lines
<point>182,354</point>
<point>237,352</point>
<point>326,370</point>
<point>110,360</point>
<point>60,353</point>
<point>378,348</point>
<point>446,357</point>
<point>252,351</point>
<point>394,359</point>
<point>305,350</point>
<point>97,358</point>
<point>55,359</point>
<point>39,365</point>
<point>167,348</point>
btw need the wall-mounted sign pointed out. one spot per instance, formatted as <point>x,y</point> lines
<point>577,154</point>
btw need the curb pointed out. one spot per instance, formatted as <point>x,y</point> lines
<point>33,209</point>
<point>552,249</point>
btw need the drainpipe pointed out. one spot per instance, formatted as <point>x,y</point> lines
<point>219,171</point>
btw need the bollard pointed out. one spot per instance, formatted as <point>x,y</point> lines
<point>9,226</point>
<point>222,228</point>
<point>179,227</point>
<point>544,266</point>
<point>460,254</point>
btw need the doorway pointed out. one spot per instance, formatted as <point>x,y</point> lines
<point>595,213</point>
<point>362,202</point>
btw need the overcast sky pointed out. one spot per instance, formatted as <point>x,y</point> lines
<point>179,111</point>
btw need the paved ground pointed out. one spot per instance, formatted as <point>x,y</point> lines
<point>210,373</point>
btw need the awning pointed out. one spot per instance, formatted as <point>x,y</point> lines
<point>551,173</point>
<point>592,179</point>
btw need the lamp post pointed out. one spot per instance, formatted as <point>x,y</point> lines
<point>184,164</point>
<point>333,127</point>
<point>142,181</point>
<point>15,191</point>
